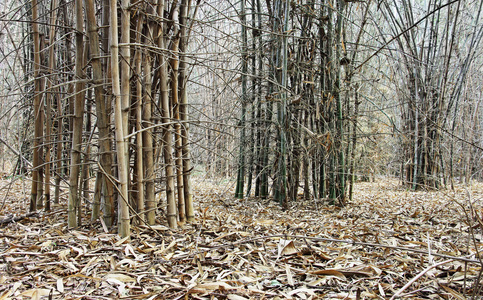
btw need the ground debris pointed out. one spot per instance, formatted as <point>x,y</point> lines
<point>252,249</point>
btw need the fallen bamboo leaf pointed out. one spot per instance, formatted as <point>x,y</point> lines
<point>211,286</point>
<point>121,241</point>
<point>286,247</point>
<point>119,277</point>
<point>453,292</point>
<point>36,293</point>
<point>6,295</point>
<point>235,297</point>
<point>60,285</point>
<point>335,273</point>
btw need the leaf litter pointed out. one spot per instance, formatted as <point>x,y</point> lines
<point>389,243</point>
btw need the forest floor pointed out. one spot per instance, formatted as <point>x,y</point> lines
<point>388,243</point>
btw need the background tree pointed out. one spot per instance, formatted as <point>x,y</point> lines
<point>428,41</point>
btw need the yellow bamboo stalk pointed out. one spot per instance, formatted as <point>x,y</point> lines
<point>124,226</point>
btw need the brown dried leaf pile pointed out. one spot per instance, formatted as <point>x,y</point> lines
<point>388,243</point>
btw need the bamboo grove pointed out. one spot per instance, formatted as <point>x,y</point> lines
<point>304,75</point>
<point>109,102</point>
<point>121,101</point>
<point>299,103</point>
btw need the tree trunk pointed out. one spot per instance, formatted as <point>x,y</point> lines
<point>167,138</point>
<point>240,182</point>
<point>102,113</point>
<point>139,120</point>
<point>58,151</point>
<point>340,122</point>
<point>183,109</point>
<point>75,162</point>
<point>49,98</point>
<point>84,191</point>
<point>37,108</point>
<point>124,220</point>
<point>148,155</point>
<point>174,62</point>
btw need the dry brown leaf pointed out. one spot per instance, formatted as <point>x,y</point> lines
<point>264,222</point>
<point>453,292</point>
<point>122,241</point>
<point>63,254</point>
<point>6,295</point>
<point>290,280</point>
<point>381,290</point>
<point>60,285</point>
<point>361,270</point>
<point>300,292</point>
<point>286,247</point>
<point>36,293</point>
<point>335,273</point>
<point>235,297</point>
<point>210,286</point>
<point>129,251</point>
<point>224,236</point>
<point>120,277</point>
